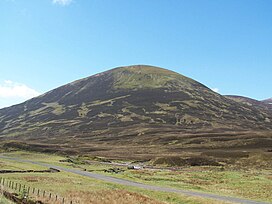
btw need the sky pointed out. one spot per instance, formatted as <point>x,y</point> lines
<point>224,44</point>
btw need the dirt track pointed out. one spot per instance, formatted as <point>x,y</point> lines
<point>139,185</point>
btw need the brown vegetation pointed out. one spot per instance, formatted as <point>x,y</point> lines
<point>142,107</point>
<point>112,197</point>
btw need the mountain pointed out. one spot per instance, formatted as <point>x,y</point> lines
<point>268,101</point>
<point>245,100</point>
<point>249,101</point>
<point>134,105</point>
<point>265,105</point>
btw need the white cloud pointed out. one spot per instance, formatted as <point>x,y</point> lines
<point>215,90</point>
<point>62,2</point>
<point>8,82</point>
<point>10,89</point>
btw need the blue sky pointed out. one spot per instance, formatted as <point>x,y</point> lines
<point>224,44</point>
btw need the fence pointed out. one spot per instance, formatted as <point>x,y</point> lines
<point>26,191</point>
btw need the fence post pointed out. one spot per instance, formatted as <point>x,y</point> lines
<point>17,186</point>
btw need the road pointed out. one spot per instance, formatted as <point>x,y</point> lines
<point>139,185</point>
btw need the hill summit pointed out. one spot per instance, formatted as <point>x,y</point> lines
<point>127,102</point>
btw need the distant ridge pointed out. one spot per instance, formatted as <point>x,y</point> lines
<point>265,105</point>
<point>269,101</point>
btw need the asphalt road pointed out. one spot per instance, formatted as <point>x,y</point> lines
<point>139,185</point>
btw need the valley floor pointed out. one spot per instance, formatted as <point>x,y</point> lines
<point>253,184</point>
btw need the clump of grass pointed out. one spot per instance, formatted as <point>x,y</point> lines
<point>3,200</point>
<point>112,197</point>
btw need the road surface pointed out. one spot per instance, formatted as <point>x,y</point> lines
<point>139,185</point>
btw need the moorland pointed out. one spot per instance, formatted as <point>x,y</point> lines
<point>177,132</point>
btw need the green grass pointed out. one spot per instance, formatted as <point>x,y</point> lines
<point>252,184</point>
<point>72,186</point>
<point>3,200</point>
<point>6,164</point>
<point>65,183</point>
<point>34,156</point>
<point>146,77</point>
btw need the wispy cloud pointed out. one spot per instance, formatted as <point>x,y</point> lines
<point>10,89</point>
<point>62,2</point>
<point>215,90</point>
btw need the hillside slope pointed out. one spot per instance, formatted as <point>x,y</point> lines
<point>264,106</point>
<point>124,104</point>
<point>268,103</point>
<point>268,100</point>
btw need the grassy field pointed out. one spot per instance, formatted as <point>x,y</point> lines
<point>85,190</point>
<point>3,200</point>
<point>251,184</point>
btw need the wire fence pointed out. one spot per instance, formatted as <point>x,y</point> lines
<point>27,192</point>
